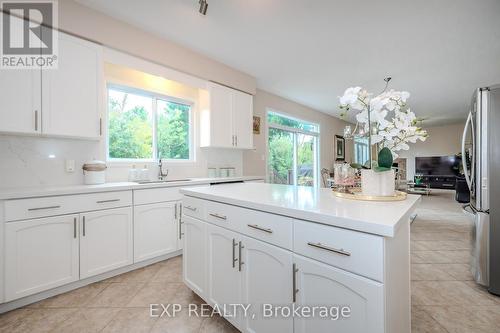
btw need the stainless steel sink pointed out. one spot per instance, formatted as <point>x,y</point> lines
<point>163,181</point>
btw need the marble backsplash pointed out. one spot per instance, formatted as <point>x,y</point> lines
<point>38,161</point>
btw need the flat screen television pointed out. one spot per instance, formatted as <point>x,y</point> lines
<point>438,165</point>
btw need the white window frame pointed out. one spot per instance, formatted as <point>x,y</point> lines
<point>295,131</point>
<point>155,97</point>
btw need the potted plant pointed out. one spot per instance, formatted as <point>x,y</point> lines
<point>391,126</point>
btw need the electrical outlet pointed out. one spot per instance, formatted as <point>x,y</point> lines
<point>70,165</point>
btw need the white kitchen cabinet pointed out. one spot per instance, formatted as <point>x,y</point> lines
<point>20,98</point>
<point>224,276</point>
<point>266,279</point>
<point>73,93</point>
<point>155,230</point>
<point>226,118</point>
<point>320,284</point>
<point>106,240</point>
<point>40,254</point>
<point>195,255</point>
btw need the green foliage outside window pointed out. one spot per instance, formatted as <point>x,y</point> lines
<point>131,122</point>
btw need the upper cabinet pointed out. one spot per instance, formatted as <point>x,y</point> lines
<point>72,94</point>
<point>226,118</point>
<point>64,101</point>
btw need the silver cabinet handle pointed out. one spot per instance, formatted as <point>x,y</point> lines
<point>180,221</point>
<point>236,140</point>
<point>234,253</point>
<point>193,209</point>
<point>294,282</point>
<point>175,212</point>
<point>36,120</point>
<point>255,226</point>
<point>106,201</point>
<point>100,126</point>
<point>41,208</point>
<point>222,217</point>
<point>240,261</point>
<point>328,248</point>
<point>74,227</point>
<point>233,139</point>
<point>83,222</point>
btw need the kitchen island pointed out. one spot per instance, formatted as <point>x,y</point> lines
<point>279,258</point>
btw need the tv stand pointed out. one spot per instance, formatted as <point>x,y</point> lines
<point>440,182</point>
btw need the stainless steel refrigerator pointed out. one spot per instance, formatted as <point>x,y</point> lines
<point>481,163</point>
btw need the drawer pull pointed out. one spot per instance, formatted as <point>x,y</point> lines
<point>328,248</point>
<point>41,208</point>
<point>234,253</point>
<point>294,282</point>
<point>106,201</point>
<point>255,226</point>
<point>74,227</point>
<point>222,217</point>
<point>193,209</point>
<point>240,261</point>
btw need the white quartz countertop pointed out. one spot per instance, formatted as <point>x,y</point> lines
<point>44,191</point>
<point>317,205</point>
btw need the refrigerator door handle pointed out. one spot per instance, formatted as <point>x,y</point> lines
<point>464,159</point>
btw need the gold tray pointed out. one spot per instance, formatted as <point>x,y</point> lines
<point>357,195</point>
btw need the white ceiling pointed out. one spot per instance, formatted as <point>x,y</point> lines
<point>309,51</point>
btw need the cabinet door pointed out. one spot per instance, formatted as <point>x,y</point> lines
<point>106,240</point>
<point>221,105</point>
<point>243,119</point>
<point>72,93</point>
<point>323,285</point>
<point>20,98</point>
<point>267,279</point>
<point>40,254</point>
<point>224,278</point>
<point>194,256</point>
<point>155,230</point>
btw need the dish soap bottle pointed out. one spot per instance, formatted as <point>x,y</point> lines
<point>145,173</point>
<point>132,174</point>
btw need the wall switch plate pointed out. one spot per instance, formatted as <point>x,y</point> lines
<point>70,165</point>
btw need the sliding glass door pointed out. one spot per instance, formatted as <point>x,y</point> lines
<point>292,151</point>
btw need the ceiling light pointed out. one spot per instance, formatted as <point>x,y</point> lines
<point>203,7</point>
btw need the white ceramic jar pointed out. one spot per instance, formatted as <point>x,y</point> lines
<point>94,172</point>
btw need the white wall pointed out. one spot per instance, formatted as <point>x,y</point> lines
<point>254,161</point>
<point>442,140</point>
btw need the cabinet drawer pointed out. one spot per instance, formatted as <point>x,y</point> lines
<point>193,207</point>
<point>154,195</point>
<point>22,209</point>
<point>352,251</point>
<point>271,228</point>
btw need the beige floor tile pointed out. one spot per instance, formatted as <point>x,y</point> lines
<point>217,324</point>
<point>40,320</point>
<point>181,323</point>
<point>429,272</point>
<point>170,272</point>
<point>459,272</point>
<point>465,319</point>
<point>15,316</point>
<point>446,293</point>
<point>422,322</point>
<point>75,298</point>
<point>133,320</point>
<point>155,292</point>
<point>115,295</point>
<point>87,320</point>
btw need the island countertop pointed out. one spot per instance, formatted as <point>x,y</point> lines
<point>313,204</point>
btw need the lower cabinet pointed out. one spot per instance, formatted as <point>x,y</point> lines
<point>320,284</point>
<point>224,276</point>
<point>106,241</point>
<point>155,230</point>
<point>266,279</point>
<point>194,255</point>
<point>40,254</point>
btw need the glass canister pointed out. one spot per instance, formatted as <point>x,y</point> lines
<point>344,176</point>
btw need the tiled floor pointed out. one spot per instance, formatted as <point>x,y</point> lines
<point>444,299</point>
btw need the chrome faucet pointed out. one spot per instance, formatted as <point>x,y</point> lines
<point>161,175</point>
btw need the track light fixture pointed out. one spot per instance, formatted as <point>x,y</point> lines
<point>203,7</point>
